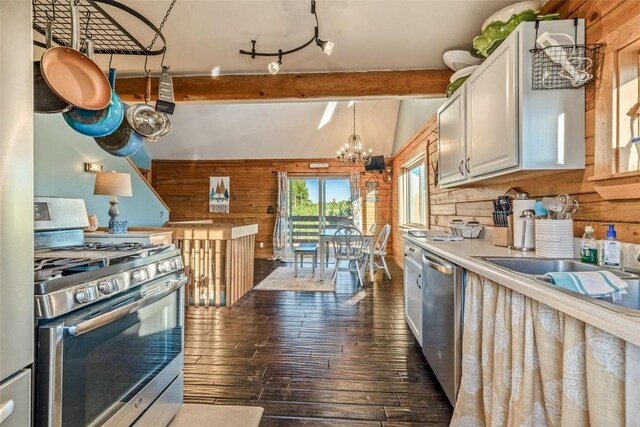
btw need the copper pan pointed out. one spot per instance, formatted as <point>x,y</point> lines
<point>73,76</point>
<point>44,99</point>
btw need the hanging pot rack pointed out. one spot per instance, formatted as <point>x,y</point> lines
<point>109,37</point>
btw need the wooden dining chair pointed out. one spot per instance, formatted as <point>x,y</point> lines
<point>348,245</point>
<point>380,251</point>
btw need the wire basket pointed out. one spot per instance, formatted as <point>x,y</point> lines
<point>468,231</point>
<point>565,66</point>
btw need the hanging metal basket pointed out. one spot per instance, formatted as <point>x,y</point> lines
<point>568,66</point>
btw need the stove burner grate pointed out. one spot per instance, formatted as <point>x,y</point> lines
<point>120,247</point>
<point>49,268</point>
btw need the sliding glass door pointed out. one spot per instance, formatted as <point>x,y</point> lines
<point>317,205</point>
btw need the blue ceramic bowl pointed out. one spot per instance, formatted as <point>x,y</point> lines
<point>96,123</point>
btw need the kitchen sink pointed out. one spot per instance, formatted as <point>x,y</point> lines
<point>536,268</point>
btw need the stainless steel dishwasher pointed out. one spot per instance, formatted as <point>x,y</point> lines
<point>442,302</point>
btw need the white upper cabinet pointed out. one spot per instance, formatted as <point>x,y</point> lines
<point>498,126</point>
<point>452,139</point>
<point>492,112</point>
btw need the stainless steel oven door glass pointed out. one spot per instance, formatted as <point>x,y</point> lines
<point>106,364</point>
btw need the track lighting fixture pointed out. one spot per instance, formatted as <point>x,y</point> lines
<point>274,67</point>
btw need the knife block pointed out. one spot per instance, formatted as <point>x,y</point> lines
<point>503,236</point>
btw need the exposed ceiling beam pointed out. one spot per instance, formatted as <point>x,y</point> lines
<point>296,86</point>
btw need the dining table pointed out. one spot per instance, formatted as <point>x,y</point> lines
<point>326,237</point>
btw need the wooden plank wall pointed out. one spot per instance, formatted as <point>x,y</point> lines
<point>184,186</point>
<point>466,203</point>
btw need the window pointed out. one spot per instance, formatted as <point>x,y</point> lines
<point>413,194</point>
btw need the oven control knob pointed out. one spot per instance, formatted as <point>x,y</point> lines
<point>87,295</point>
<point>108,286</point>
<point>140,275</point>
<point>164,266</point>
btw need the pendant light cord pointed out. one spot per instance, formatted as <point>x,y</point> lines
<point>354,117</point>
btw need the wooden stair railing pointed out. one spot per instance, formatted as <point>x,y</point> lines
<point>218,263</point>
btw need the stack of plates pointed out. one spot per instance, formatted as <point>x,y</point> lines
<point>460,59</point>
<point>554,238</point>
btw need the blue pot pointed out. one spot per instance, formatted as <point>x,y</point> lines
<point>123,142</point>
<point>96,123</point>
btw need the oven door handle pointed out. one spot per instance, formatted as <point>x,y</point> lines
<point>98,321</point>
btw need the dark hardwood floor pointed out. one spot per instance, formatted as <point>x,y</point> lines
<point>315,359</point>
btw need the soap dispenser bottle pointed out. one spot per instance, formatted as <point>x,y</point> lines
<point>610,249</point>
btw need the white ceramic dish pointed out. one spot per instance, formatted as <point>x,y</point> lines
<point>506,12</point>
<point>462,73</point>
<point>460,59</point>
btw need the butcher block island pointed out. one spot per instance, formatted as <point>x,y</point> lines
<point>218,260</point>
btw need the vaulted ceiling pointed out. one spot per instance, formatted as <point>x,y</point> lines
<point>274,130</point>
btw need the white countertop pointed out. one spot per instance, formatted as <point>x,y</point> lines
<point>126,235</point>
<point>460,253</point>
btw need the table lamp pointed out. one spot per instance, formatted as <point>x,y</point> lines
<point>113,184</point>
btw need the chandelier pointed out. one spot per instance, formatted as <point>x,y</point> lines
<point>351,153</point>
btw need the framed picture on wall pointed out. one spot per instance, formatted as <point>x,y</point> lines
<point>219,194</point>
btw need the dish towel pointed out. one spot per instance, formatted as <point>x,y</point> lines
<point>592,283</point>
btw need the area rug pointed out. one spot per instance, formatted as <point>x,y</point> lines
<point>282,279</point>
<point>199,415</point>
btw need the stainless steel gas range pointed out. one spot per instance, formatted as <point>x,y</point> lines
<point>110,327</point>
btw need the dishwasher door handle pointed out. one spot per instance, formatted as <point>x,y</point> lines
<point>444,269</point>
<point>6,409</point>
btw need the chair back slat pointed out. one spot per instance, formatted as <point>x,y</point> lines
<point>348,242</point>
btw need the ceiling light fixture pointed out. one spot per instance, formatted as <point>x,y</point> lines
<point>273,67</point>
<point>351,153</point>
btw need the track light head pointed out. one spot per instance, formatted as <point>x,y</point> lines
<point>274,66</point>
<point>326,46</point>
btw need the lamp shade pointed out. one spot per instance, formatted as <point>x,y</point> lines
<point>112,184</point>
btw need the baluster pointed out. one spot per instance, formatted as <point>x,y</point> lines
<point>218,272</point>
<point>186,257</point>
<point>196,272</point>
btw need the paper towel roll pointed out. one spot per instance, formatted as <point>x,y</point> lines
<point>518,225</point>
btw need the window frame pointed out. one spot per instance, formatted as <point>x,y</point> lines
<point>404,201</point>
